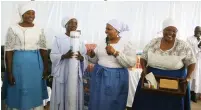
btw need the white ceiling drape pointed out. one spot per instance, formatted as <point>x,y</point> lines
<point>144,18</point>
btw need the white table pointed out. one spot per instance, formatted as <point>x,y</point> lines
<point>134,77</point>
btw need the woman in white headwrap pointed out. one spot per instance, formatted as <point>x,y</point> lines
<point>60,54</point>
<point>165,56</point>
<point>109,79</point>
<point>26,62</point>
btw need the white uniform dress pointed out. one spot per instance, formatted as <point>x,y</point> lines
<point>196,77</point>
<point>60,71</point>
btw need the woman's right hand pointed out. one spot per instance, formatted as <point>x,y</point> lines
<point>11,79</point>
<point>91,53</point>
<point>68,55</point>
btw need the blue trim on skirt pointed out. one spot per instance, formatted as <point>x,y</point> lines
<point>108,88</point>
<point>29,90</point>
<point>144,100</point>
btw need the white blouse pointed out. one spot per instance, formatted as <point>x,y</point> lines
<point>193,42</point>
<point>25,38</point>
<point>126,58</point>
<point>173,59</point>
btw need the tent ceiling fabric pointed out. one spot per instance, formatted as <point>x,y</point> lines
<point>144,18</point>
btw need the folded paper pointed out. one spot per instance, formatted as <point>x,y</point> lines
<point>152,80</point>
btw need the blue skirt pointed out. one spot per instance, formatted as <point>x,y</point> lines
<point>108,88</point>
<point>29,89</point>
<point>145,100</point>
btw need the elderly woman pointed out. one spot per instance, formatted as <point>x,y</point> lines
<point>109,79</point>
<point>165,56</point>
<point>26,62</point>
<point>60,55</point>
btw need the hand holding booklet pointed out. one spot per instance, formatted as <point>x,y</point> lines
<point>151,80</point>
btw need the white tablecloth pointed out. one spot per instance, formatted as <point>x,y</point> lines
<point>134,77</point>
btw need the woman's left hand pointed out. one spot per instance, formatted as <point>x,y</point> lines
<point>110,50</point>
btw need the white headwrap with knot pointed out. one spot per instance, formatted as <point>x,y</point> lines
<point>65,21</point>
<point>121,27</point>
<point>23,8</point>
<point>26,7</point>
<point>169,22</point>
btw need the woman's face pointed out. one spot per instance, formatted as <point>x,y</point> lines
<point>110,31</point>
<point>72,25</point>
<point>169,33</point>
<point>28,16</point>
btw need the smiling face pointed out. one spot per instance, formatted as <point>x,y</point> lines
<point>29,16</point>
<point>169,33</point>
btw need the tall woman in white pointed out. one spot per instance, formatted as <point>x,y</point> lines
<point>62,97</point>
<point>26,62</point>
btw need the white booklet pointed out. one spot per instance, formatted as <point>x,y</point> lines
<point>151,80</point>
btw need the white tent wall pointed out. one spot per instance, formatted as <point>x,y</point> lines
<point>144,18</point>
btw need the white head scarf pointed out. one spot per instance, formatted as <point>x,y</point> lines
<point>26,7</point>
<point>65,21</point>
<point>23,8</point>
<point>169,22</point>
<point>121,27</point>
